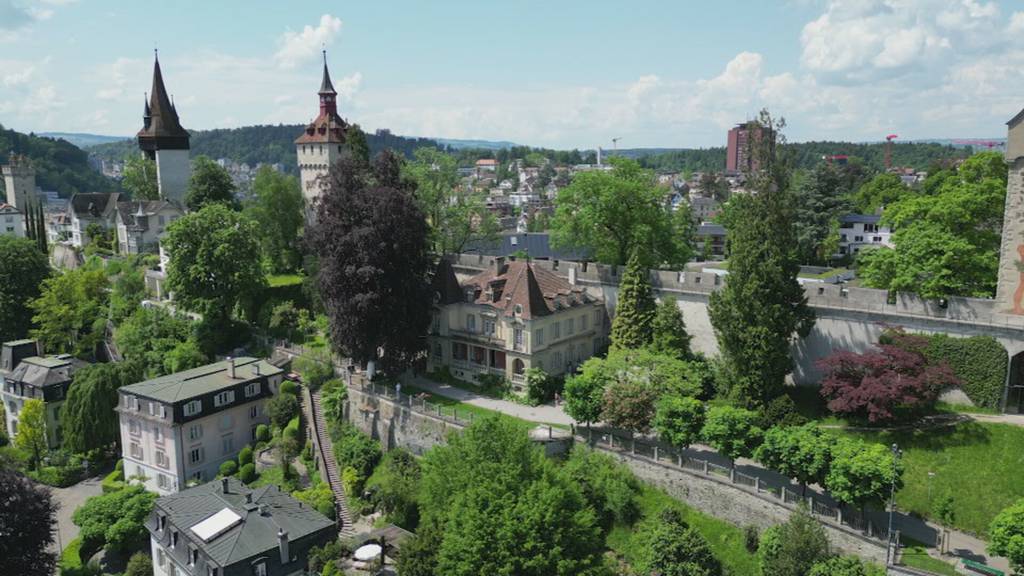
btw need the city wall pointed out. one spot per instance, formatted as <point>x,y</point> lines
<point>847,318</point>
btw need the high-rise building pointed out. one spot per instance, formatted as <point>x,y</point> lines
<point>739,150</point>
<point>20,182</point>
<point>163,140</point>
<point>321,144</point>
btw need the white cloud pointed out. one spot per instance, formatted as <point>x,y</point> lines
<point>16,73</point>
<point>298,47</point>
<point>1016,23</point>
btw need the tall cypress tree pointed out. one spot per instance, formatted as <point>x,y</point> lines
<point>669,330</point>
<point>633,326</point>
<point>762,306</point>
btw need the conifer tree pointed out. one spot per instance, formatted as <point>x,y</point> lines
<point>762,306</point>
<point>633,326</point>
<point>669,330</point>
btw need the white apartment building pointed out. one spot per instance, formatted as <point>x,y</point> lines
<point>180,428</point>
<point>12,222</point>
<point>142,224</point>
<point>510,318</point>
<point>860,231</point>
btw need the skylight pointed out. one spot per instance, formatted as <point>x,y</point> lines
<point>216,525</point>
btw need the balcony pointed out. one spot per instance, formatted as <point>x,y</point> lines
<point>478,337</point>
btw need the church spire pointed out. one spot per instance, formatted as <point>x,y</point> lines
<point>328,97</point>
<point>326,87</point>
<point>161,127</point>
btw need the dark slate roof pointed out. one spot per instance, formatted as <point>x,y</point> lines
<point>44,371</point>
<point>1016,119</point>
<point>254,536</point>
<point>445,285</point>
<point>130,212</point>
<point>326,87</point>
<point>539,292</point>
<point>860,219</point>
<point>93,204</point>
<point>163,130</point>
<point>707,229</point>
<point>536,244</point>
<point>202,380</point>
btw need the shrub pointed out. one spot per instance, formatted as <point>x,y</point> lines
<point>608,486</point>
<point>139,565</point>
<point>263,433</point>
<point>540,387</point>
<point>750,538</point>
<point>289,387</point>
<point>247,473</point>
<point>318,496</point>
<point>113,481</point>
<point>355,449</point>
<point>245,454</point>
<point>282,408</point>
<point>119,466</point>
<point>292,432</point>
<point>351,482</point>
<point>780,412</point>
<point>315,369</point>
<point>228,468</point>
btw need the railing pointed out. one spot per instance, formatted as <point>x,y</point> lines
<point>419,404</point>
<point>750,483</point>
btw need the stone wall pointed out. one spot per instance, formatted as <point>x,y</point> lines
<point>848,317</point>
<point>397,426</point>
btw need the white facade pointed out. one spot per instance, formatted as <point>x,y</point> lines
<point>139,240</point>
<point>173,170</point>
<point>12,222</point>
<point>20,183</point>
<point>858,232</point>
<point>315,160</point>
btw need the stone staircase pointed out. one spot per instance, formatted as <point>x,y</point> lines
<point>330,466</point>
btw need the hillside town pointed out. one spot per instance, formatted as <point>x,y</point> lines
<point>395,355</point>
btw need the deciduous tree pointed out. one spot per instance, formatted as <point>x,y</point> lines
<point>800,452</point>
<point>845,566</point>
<point>115,520</point>
<point>277,209</point>
<point>28,518</point>
<point>584,397</point>
<point>88,419</point>
<point>209,184</point>
<point>608,486</point>
<point>31,435</point>
<point>139,178</point>
<point>679,420</point>
<point>70,312</point>
<point>793,548</point>
<point>861,473</point>
<point>614,213</point>
<point>22,271</point>
<point>149,335</point>
<point>881,191</point>
<point>1006,535</point>
<point>667,545</point>
<point>732,431</point>
<point>371,239</point>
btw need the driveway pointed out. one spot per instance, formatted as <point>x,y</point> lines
<point>70,499</point>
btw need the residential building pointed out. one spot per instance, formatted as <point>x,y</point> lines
<point>703,208</point>
<point>321,144</point>
<point>510,318</point>
<point>28,375</point>
<point>224,528</point>
<point>486,167</point>
<point>712,235</point>
<point>19,182</point>
<point>58,226</point>
<point>181,427</point>
<point>860,231</point>
<point>12,222</point>
<point>163,140</point>
<point>141,225</point>
<point>739,147</point>
<point>88,208</point>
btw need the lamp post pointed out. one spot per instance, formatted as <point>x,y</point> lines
<point>889,556</point>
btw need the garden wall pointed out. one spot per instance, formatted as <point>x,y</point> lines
<point>397,426</point>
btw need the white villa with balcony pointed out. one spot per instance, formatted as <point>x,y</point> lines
<point>510,318</point>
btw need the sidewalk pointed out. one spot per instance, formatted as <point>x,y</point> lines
<point>960,544</point>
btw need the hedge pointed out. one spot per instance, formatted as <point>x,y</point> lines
<point>980,362</point>
<point>113,482</point>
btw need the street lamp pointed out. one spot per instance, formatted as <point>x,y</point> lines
<point>889,556</point>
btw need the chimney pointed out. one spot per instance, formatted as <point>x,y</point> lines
<point>231,367</point>
<point>282,545</point>
<point>572,275</point>
<point>248,498</point>
<point>263,509</point>
<point>224,485</point>
<point>500,265</point>
<point>256,368</point>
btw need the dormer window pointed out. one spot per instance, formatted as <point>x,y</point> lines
<point>161,522</point>
<point>518,309</point>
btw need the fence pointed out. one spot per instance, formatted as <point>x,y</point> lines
<point>640,448</point>
<point>417,403</point>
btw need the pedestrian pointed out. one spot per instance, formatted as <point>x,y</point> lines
<point>398,391</point>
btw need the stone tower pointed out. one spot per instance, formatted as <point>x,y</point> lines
<point>1010,287</point>
<point>20,182</point>
<point>164,140</point>
<point>321,144</point>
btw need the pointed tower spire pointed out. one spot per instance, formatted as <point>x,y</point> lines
<point>326,87</point>
<point>147,116</point>
<point>328,97</point>
<point>161,127</point>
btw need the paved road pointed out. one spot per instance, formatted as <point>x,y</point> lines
<point>545,413</point>
<point>960,544</point>
<point>70,499</point>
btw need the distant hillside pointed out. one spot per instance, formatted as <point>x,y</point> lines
<point>456,144</point>
<point>917,155</point>
<point>259,144</point>
<point>60,165</point>
<point>84,140</point>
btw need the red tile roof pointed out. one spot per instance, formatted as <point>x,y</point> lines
<point>327,128</point>
<point>539,291</point>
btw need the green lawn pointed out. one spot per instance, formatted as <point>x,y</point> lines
<point>726,540</point>
<point>275,280</point>
<point>915,556</point>
<point>450,406</point>
<point>977,463</point>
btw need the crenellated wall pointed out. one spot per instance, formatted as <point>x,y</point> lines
<point>847,318</point>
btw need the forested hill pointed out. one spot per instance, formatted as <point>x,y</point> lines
<point>806,155</point>
<point>59,165</point>
<point>259,144</point>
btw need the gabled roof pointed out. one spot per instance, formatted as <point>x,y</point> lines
<point>538,292</point>
<point>94,204</point>
<point>136,214</point>
<point>43,371</point>
<point>200,381</point>
<point>254,536</point>
<point>163,129</point>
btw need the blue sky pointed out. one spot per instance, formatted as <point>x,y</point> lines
<point>560,74</point>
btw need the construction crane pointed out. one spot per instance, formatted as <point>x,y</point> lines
<point>615,143</point>
<point>888,149</point>
<point>990,144</point>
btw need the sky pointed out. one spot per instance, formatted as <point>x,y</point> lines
<point>561,74</point>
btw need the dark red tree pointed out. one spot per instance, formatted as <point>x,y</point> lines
<point>28,517</point>
<point>894,380</point>
<point>371,240</point>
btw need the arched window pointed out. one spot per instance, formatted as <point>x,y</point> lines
<point>518,367</point>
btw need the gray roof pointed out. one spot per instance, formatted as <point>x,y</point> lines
<point>130,212</point>
<point>708,229</point>
<point>93,204</point>
<point>200,381</point>
<point>536,244</point>
<point>43,371</point>
<point>255,535</point>
<point>860,218</point>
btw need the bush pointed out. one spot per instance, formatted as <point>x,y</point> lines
<point>292,432</point>
<point>245,454</point>
<point>780,412</point>
<point>351,482</point>
<point>540,387</point>
<point>228,468</point>
<point>282,408</point>
<point>139,565</point>
<point>247,473</point>
<point>113,481</point>
<point>289,387</point>
<point>609,487</point>
<point>263,433</point>
<point>57,476</point>
<point>750,538</point>
<point>319,497</point>
<point>119,466</point>
<point>355,449</point>
<point>315,369</point>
